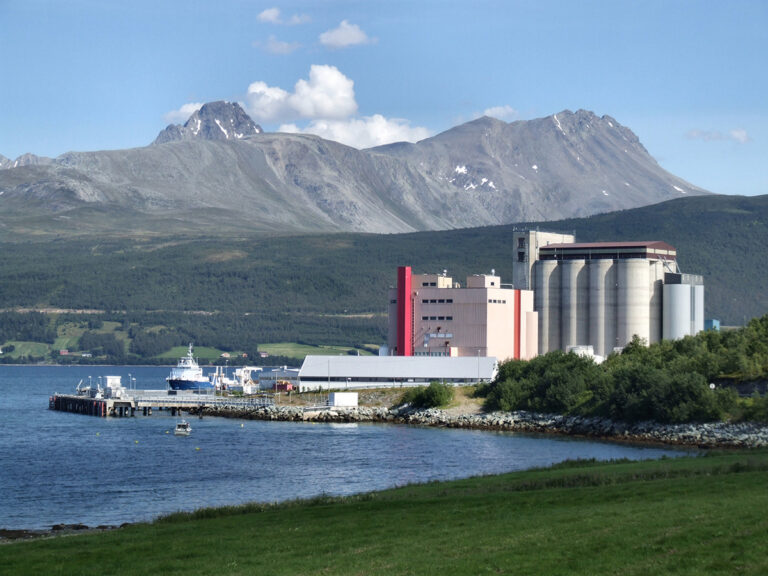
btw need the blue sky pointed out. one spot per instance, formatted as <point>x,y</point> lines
<point>688,77</point>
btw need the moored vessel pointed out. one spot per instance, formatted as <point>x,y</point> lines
<point>188,375</point>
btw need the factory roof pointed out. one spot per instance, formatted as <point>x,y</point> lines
<point>651,249</point>
<point>398,367</point>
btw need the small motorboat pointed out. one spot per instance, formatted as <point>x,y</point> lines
<point>182,428</point>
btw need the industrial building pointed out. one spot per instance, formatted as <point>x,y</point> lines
<point>602,294</point>
<point>430,315</point>
<point>527,244</point>
<point>342,372</point>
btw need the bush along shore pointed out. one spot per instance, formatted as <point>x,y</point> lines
<point>704,435</point>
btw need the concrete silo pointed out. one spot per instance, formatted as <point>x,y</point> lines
<point>683,309</point>
<point>602,294</point>
<point>632,306</point>
<point>602,306</point>
<point>547,303</point>
<point>574,303</point>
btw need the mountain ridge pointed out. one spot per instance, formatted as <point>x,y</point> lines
<point>483,172</point>
<point>218,120</point>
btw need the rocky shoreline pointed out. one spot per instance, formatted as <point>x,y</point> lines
<point>700,435</point>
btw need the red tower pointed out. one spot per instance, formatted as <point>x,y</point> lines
<point>404,312</point>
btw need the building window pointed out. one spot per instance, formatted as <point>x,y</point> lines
<point>449,317</point>
<point>441,301</point>
<point>433,317</point>
<point>450,301</point>
<point>433,283</point>
<point>521,242</point>
<point>393,301</point>
<point>425,283</point>
<point>521,256</point>
<point>425,317</point>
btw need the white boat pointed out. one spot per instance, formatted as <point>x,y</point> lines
<point>188,375</point>
<point>182,428</point>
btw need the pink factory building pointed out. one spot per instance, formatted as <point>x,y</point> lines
<point>430,315</point>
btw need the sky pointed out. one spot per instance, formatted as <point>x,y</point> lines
<point>689,77</point>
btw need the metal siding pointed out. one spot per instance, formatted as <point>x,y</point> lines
<point>676,311</point>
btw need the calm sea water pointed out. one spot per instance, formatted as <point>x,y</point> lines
<point>68,468</point>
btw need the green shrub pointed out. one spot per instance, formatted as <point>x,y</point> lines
<point>435,395</point>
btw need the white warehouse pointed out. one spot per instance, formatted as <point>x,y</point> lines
<point>354,372</point>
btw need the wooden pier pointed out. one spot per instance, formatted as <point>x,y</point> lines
<point>147,400</point>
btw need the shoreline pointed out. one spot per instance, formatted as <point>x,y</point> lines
<point>702,436</point>
<point>706,435</point>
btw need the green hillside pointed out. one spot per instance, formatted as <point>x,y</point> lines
<point>236,293</point>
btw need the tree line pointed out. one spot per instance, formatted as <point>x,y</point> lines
<point>670,381</point>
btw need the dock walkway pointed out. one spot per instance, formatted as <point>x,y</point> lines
<point>147,400</point>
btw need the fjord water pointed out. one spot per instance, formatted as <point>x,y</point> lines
<point>66,468</point>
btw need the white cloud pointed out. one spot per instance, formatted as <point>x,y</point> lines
<point>182,114</point>
<point>326,103</point>
<point>736,135</point>
<point>345,35</point>
<point>271,15</point>
<point>275,46</point>
<point>298,19</point>
<point>328,94</point>
<point>505,113</point>
<point>739,135</point>
<point>363,132</point>
<point>268,103</point>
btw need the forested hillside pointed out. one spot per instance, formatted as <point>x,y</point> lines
<point>332,289</point>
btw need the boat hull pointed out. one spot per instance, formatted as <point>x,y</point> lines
<point>190,384</point>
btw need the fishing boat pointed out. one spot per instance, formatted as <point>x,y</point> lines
<point>182,428</point>
<point>187,375</point>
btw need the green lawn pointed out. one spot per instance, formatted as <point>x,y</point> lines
<point>27,349</point>
<point>68,337</point>
<point>703,515</point>
<point>299,351</point>
<point>202,353</point>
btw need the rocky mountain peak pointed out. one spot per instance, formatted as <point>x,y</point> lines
<point>214,121</point>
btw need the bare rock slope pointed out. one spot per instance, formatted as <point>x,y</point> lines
<point>220,173</point>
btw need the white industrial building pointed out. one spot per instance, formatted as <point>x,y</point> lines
<point>350,372</point>
<point>601,294</point>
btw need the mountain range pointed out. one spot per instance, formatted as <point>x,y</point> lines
<point>219,172</point>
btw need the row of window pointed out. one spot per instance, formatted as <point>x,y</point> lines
<point>437,301</point>
<point>496,301</point>
<point>437,317</point>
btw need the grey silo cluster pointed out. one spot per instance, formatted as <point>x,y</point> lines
<point>600,295</point>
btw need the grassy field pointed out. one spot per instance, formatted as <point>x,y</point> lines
<point>202,353</point>
<point>299,351</point>
<point>704,515</point>
<point>27,349</point>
